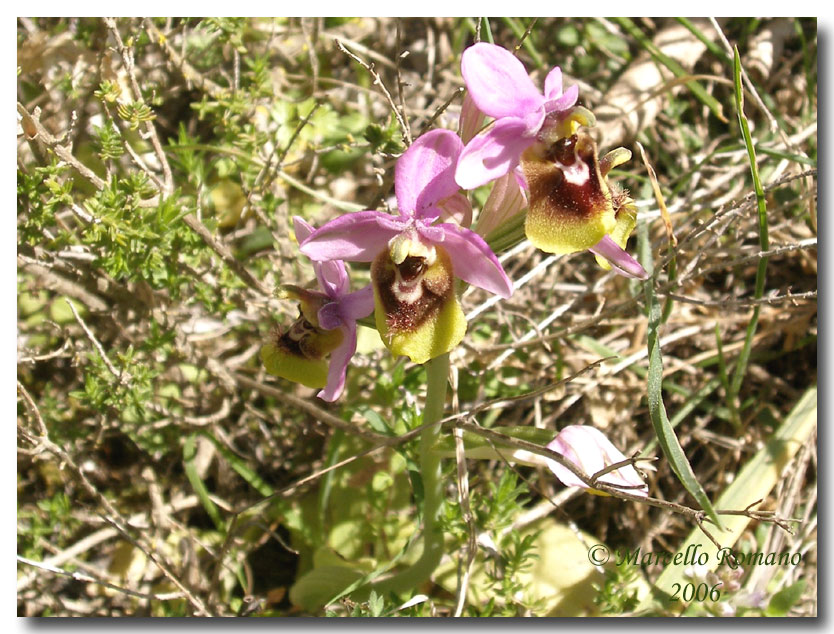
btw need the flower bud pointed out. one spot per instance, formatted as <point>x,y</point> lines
<point>591,451</point>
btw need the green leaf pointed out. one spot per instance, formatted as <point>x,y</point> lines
<point>376,604</point>
<point>781,154</point>
<point>705,40</point>
<point>754,482</point>
<point>664,431</point>
<point>377,422</point>
<point>781,602</point>
<point>377,136</point>
<point>764,241</point>
<point>568,35</point>
<point>261,238</point>
<point>508,234</point>
<point>189,454</point>
<point>318,587</point>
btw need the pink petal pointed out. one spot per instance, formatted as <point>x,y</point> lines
<point>563,474</point>
<point>473,261</point>
<point>619,259</point>
<point>505,200</point>
<point>347,309</point>
<point>332,276</point>
<point>329,316</point>
<point>533,120</point>
<point>565,102</point>
<point>553,83</point>
<point>358,237</point>
<point>358,304</point>
<point>425,174</point>
<point>471,119</point>
<point>339,360</point>
<point>491,155</point>
<point>456,208</point>
<point>431,234</point>
<point>590,450</point>
<point>302,228</point>
<point>521,181</point>
<point>498,82</point>
<point>580,445</point>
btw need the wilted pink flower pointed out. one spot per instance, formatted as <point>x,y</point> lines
<point>501,88</point>
<point>591,451</point>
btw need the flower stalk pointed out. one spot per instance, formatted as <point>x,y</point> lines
<point>437,371</point>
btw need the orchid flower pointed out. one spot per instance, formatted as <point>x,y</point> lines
<point>501,88</point>
<point>326,325</point>
<point>573,207</point>
<point>591,451</point>
<point>415,258</point>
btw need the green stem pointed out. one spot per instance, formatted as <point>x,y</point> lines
<point>764,239</point>
<point>437,371</point>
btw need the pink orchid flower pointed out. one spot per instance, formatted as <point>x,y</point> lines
<point>501,88</point>
<point>415,250</point>
<point>340,312</point>
<point>424,184</point>
<point>327,325</point>
<point>591,451</point>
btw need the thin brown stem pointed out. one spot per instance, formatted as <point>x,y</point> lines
<point>127,59</point>
<point>406,132</point>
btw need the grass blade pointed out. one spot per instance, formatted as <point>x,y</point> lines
<point>725,381</point>
<point>487,31</point>
<point>240,466</point>
<point>781,154</point>
<point>712,47</point>
<point>764,241</point>
<point>528,45</point>
<point>754,482</point>
<point>678,70</point>
<point>189,455</point>
<point>664,431</point>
